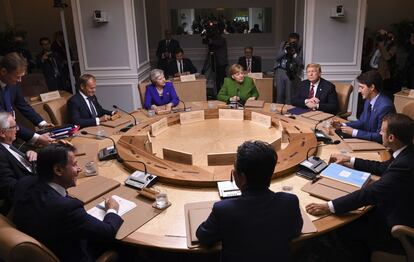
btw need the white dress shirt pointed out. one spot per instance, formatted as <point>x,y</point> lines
<point>19,158</point>
<point>89,103</point>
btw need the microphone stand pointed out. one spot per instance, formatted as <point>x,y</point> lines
<point>130,125</point>
<point>106,153</point>
<point>139,179</point>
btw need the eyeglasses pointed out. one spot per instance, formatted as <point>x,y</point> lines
<point>13,127</point>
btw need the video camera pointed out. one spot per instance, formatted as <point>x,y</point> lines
<point>210,29</point>
<point>291,47</point>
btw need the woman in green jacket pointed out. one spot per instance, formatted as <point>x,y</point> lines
<point>237,87</point>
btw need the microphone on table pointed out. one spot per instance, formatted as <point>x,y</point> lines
<point>185,109</point>
<point>138,179</point>
<point>320,135</point>
<point>126,112</point>
<point>107,153</point>
<point>313,165</point>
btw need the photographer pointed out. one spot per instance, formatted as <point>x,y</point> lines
<point>52,66</point>
<point>383,58</point>
<point>217,47</point>
<point>287,67</point>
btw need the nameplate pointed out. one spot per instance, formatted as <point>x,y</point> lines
<point>187,78</point>
<point>411,94</point>
<point>191,117</point>
<point>261,119</point>
<point>255,75</point>
<point>231,114</point>
<point>49,96</point>
<point>159,127</point>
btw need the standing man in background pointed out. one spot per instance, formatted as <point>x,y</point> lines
<point>166,50</point>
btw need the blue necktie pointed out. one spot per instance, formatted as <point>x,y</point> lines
<point>7,100</point>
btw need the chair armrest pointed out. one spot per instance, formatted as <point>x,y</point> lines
<point>108,256</point>
<point>398,231</point>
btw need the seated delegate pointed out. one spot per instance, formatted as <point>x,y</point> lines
<point>376,106</point>
<point>84,108</point>
<point>316,93</point>
<point>237,87</point>
<point>260,224</point>
<point>160,93</point>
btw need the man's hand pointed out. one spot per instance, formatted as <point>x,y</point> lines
<point>347,130</point>
<point>318,209</point>
<point>44,140</point>
<point>340,159</point>
<point>31,155</point>
<point>312,105</point>
<point>104,118</point>
<point>111,203</point>
<point>336,123</point>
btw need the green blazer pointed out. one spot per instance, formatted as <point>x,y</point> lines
<point>230,86</point>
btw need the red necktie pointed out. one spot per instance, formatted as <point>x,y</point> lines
<point>311,91</point>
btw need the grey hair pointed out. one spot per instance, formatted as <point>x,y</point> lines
<point>154,74</point>
<point>4,120</point>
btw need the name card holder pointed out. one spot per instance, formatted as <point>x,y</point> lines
<point>191,117</point>
<point>255,75</point>
<point>49,96</point>
<point>159,127</point>
<point>187,78</point>
<point>261,119</point>
<point>231,114</point>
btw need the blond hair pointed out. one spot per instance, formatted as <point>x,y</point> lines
<point>316,66</point>
<point>235,68</point>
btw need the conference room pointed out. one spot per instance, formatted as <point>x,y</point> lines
<point>168,168</point>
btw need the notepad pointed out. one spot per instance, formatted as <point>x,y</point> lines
<point>99,211</point>
<point>346,175</point>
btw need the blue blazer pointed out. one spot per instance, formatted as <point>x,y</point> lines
<point>168,96</point>
<point>369,127</point>
<point>60,223</point>
<point>18,102</point>
<point>258,226</point>
<point>392,195</point>
<point>79,113</point>
<point>325,93</point>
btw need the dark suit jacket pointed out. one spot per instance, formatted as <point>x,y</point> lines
<point>370,126</point>
<point>258,226</point>
<point>256,63</point>
<point>187,66</point>
<point>171,48</point>
<point>391,194</point>
<point>79,113</point>
<point>18,102</point>
<point>60,223</point>
<point>11,171</point>
<point>325,93</point>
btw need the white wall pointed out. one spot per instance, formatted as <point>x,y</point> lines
<point>110,50</point>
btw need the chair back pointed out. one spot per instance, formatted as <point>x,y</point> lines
<point>406,236</point>
<point>408,110</point>
<point>33,85</point>
<point>142,87</point>
<point>57,111</point>
<point>16,246</point>
<point>343,91</point>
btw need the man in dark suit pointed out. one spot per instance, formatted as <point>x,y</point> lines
<point>53,67</point>
<point>14,164</point>
<point>259,225</point>
<point>166,50</point>
<point>316,93</point>
<point>376,106</point>
<point>84,108</point>
<point>12,68</point>
<point>249,62</point>
<point>180,65</point>
<point>392,195</point>
<point>43,210</point>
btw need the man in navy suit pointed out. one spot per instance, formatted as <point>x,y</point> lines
<point>180,65</point>
<point>392,195</point>
<point>12,69</point>
<point>259,225</point>
<point>43,210</point>
<point>14,164</point>
<point>83,107</point>
<point>249,62</point>
<point>166,50</point>
<point>376,106</point>
<point>316,93</point>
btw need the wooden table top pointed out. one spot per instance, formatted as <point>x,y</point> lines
<point>167,230</point>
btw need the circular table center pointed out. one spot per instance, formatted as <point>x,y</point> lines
<point>211,136</point>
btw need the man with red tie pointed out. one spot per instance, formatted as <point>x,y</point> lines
<point>316,93</point>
